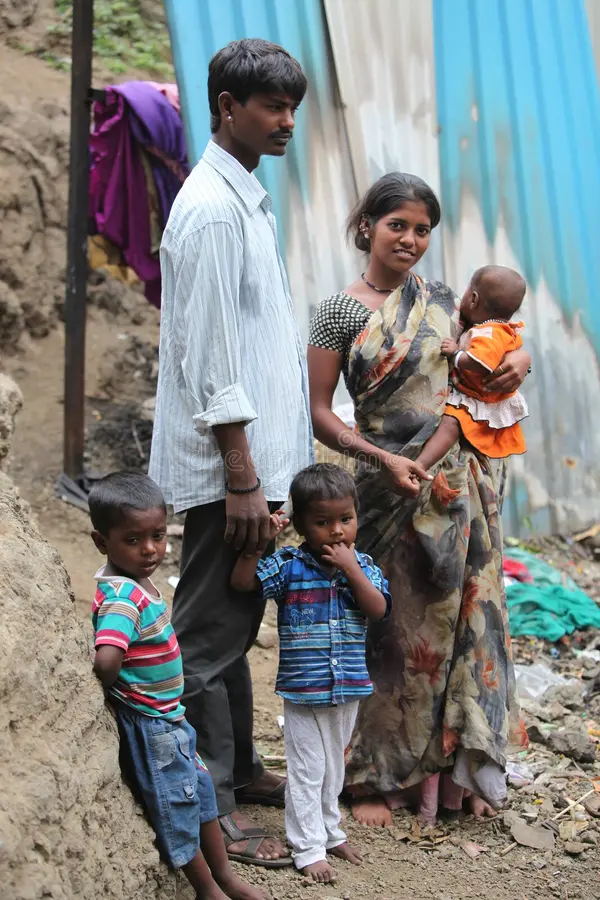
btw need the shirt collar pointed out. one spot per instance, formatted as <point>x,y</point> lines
<point>244,183</point>
<point>107,573</point>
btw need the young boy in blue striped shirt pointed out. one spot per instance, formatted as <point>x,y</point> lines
<point>325,591</point>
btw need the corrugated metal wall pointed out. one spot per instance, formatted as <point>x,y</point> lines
<point>593,13</point>
<point>518,110</point>
<point>384,58</point>
<point>513,145</point>
<point>313,188</point>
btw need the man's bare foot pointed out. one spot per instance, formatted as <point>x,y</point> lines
<point>348,852</point>
<point>320,871</point>
<point>236,889</point>
<point>371,811</point>
<point>479,808</point>
<point>269,848</point>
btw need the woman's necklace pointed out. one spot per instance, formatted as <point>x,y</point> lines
<point>373,288</point>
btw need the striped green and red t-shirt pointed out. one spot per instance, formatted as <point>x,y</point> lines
<point>125,615</point>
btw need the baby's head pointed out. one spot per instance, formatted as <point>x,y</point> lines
<point>494,292</point>
<point>129,516</point>
<point>324,506</point>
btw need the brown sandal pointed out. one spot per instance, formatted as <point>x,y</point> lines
<point>232,834</point>
<point>275,797</point>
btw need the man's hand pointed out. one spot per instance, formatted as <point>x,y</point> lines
<point>448,348</point>
<point>341,556</point>
<point>510,374</point>
<point>404,475</point>
<point>248,522</point>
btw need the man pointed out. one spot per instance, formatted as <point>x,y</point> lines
<point>232,418</point>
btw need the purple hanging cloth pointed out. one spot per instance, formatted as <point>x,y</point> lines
<point>119,202</point>
<point>159,129</point>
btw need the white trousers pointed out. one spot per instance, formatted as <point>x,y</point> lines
<point>315,740</point>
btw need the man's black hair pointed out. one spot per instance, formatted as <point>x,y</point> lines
<point>252,66</point>
<point>114,496</point>
<point>322,481</point>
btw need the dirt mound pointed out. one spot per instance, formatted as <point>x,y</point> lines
<point>11,401</point>
<point>68,826</point>
<point>33,217</point>
<point>16,14</point>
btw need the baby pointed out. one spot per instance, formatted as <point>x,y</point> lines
<point>489,421</point>
<point>326,591</point>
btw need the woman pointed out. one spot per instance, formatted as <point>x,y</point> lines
<point>444,709</point>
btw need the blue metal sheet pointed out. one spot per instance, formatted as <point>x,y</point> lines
<point>519,113</point>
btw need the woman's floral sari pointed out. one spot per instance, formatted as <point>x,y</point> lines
<point>444,682</point>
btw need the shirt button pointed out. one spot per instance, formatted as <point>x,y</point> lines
<point>334,621</point>
<point>334,662</point>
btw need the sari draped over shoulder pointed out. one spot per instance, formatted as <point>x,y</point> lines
<point>445,698</point>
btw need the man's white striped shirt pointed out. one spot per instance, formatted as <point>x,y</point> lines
<point>229,346</point>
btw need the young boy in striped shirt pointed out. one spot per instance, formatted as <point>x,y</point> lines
<point>139,663</point>
<point>325,591</point>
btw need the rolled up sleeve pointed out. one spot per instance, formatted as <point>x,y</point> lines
<point>209,271</point>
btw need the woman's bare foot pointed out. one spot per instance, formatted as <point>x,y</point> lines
<point>479,808</point>
<point>371,811</point>
<point>348,852</point>
<point>426,819</point>
<point>320,871</point>
<point>270,847</point>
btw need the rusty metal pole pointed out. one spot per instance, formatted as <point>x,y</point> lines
<point>77,236</point>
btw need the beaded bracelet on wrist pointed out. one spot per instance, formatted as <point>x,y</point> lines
<point>250,490</point>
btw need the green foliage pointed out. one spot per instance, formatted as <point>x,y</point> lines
<point>123,38</point>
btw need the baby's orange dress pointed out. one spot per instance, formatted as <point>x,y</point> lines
<point>489,421</point>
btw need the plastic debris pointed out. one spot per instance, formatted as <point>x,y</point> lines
<point>533,681</point>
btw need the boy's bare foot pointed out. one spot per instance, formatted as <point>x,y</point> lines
<point>371,811</point>
<point>480,809</point>
<point>213,892</point>
<point>320,871</point>
<point>236,889</point>
<point>348,852</point>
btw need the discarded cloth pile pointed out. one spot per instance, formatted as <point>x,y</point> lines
<point>139,162</point>
<point>543,601</point>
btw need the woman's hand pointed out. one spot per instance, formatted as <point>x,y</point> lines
<point>510,374</point>
<point>404,475</point>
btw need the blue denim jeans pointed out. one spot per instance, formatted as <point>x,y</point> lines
<point>159,759</point>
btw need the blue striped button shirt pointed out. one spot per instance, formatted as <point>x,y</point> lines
<point>322,632</point>
<point>229,346</point>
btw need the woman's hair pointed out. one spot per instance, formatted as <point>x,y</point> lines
<point>252,66</point>
<point>322,481</point>
<point>114,496</point>
<point>386,195</point>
